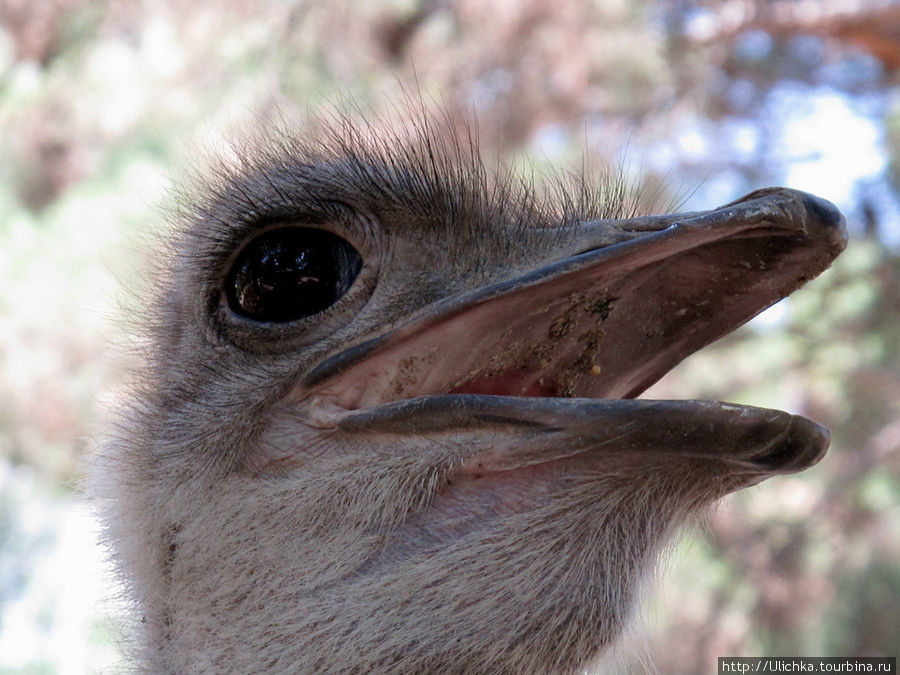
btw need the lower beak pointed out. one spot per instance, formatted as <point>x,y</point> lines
<point>511,433</point>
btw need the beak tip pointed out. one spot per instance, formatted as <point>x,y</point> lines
<point>802,445</point>
<point>825,217</point>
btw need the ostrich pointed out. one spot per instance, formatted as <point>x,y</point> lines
<point>386,419</point>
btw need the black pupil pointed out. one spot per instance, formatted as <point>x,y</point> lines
<point>291,273</point>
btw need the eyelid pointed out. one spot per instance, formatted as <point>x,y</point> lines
<point>334,216</point>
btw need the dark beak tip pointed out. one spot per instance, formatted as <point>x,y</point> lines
<point>825,219</point>
<point>819,219</point>
<point>803,445</point>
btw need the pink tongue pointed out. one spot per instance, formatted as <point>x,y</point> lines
<point>510,383</point>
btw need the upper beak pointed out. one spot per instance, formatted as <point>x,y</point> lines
<point>620,304</point>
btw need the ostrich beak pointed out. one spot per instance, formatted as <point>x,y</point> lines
<point>545,365</point>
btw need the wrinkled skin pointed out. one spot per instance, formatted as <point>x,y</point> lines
<point>446,470</point>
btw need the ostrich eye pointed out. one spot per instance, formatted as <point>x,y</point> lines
<point>291,273</point>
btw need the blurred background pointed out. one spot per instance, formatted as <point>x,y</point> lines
<point>103,102</point>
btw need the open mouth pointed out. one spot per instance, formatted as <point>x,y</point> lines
<point>559,354</point>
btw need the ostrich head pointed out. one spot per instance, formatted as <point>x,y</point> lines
<point>387,419</point>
